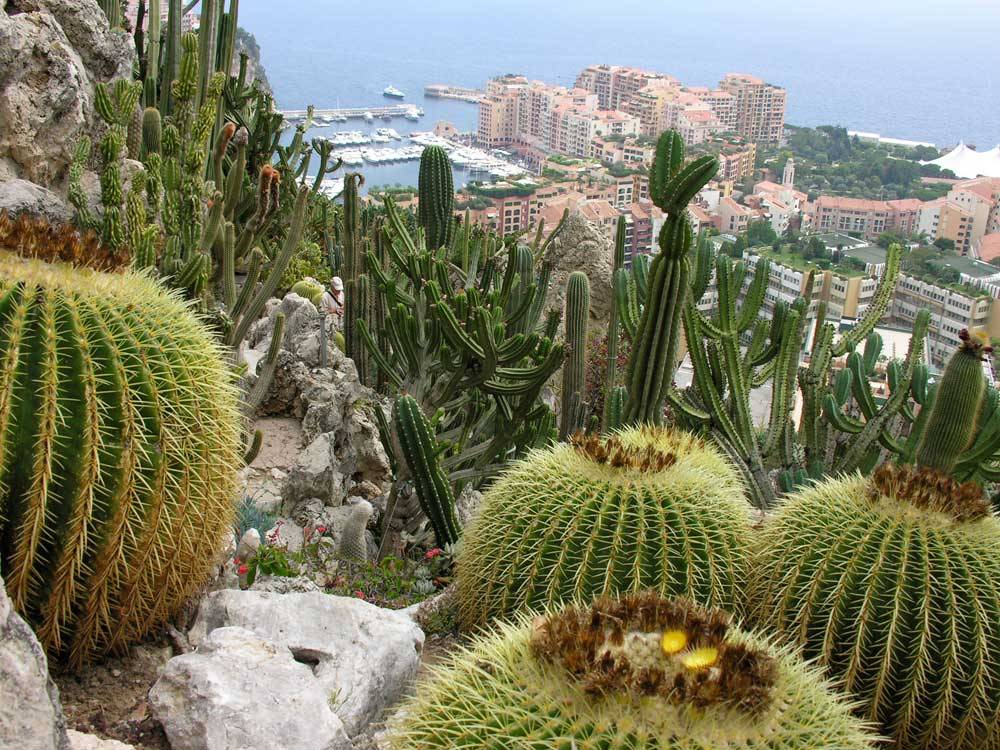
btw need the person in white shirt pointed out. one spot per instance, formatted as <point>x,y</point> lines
<point>333,300</point>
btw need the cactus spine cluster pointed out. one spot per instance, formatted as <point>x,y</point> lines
<point>655,350</point>
<point>419,448</point>
<point>120,434</point>
<point>650,508</point>
<point>641,673</point>
<point>577,317</point>
<point>436,197</point>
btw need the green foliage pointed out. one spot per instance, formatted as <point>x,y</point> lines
<point>250,516</point>
<point>437,197</point>
<point>308,260</point>
<point>309,288</point>
<point>549,683</point>
<point>117,478</point>
<point>894,600</point>
<point>651,508</point>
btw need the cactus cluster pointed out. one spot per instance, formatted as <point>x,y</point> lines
<point>640,672</point>
<point>577,317</point>
<point>887,580</point>
<point>649,508</point>
<point>120,434</point>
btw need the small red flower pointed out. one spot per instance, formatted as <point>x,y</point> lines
<point>320,529</point>
<point>359,594</point>
<point>243,569</point>
<point>432,553</point>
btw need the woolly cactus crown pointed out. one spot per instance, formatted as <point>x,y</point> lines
<point>642,673</point>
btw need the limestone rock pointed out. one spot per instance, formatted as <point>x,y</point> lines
<point>284,585</point>
<point>581,246</point>
<point>81,741</point>
<point>31,716</point>
<point>362,654</point>
<point>21,196</point>
<point>52,53</point>
<point>241,691</point>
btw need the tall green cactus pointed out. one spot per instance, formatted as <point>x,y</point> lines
<point>952,422</point>
<point>117,464</point>
<point>353,253</point>
<point>420,451</point>
<point>576,319</point>
<point>113,11</point>
<point>611,369</point>
<point>655,350</point>
<point>436,197</point>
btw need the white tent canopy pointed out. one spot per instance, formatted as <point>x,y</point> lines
<point>967,163</point>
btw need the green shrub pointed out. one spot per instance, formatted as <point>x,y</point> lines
<point>308,261</point>
<point>650,508</point>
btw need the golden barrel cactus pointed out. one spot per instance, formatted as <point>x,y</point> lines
<point>119,441</point>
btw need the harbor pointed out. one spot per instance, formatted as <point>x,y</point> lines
<point>444,91</point>
<point>342,114</point>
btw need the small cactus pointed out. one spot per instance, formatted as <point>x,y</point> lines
<point>353,540</point>
<point>573,385</point>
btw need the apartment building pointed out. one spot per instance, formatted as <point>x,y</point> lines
<point>951,311</point>
<point>721,102</point>
<point>945,219</point>
<point>499,111</point>
<point>866,218</point>
<point>737,162</point>
<point>616,84</point>
<point>732,217</point>
<point>697,125</point>
<point>759,107</point>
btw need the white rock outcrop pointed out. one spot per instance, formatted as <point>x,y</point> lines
<point>240,691</point>
<point>81,741</point>
<point>363,655</point>
<point>31,716</point>
<point>52,54</point>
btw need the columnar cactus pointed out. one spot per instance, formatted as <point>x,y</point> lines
<point>611,371</point>
<point>655,351</point>
<point>436,197</point>
<point>419,447</point>
<point>649,508</point>
<point>952,421</point>
<point>577,317</point>
<point>641,673</point>
<point>120,436</point>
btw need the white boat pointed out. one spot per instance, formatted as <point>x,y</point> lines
<point>412,115</point>
<point>393,93</point>
<point>368,116</point>
<point>340,118</point>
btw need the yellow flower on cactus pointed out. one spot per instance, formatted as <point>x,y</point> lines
<point>673,642</point>
<point>701,658</point>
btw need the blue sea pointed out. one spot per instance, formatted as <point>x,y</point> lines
<point>915,69</point>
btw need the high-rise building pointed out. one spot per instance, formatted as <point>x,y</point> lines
<point>616,84</point>
<point>759,106</point>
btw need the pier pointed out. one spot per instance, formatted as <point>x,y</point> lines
<point>409,111</point>
<point>443,91</point>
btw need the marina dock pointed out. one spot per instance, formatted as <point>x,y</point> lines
<point>343,114</point>
<point>443,91</point>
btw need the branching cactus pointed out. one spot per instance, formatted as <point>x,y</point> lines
<point>639,672</point>
<point>117,466</point>
<point>655,350</point>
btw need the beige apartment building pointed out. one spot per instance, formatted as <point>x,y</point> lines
<point>759,106</point>
<point>866,218</point>
<point>616,84</point>
<point>737,162</point>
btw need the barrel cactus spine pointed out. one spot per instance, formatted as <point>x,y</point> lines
<point>639,672</point>
<point>648,508</point>
<point>436,190</point>
<point>121,434</point>
<point>573,384</point>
